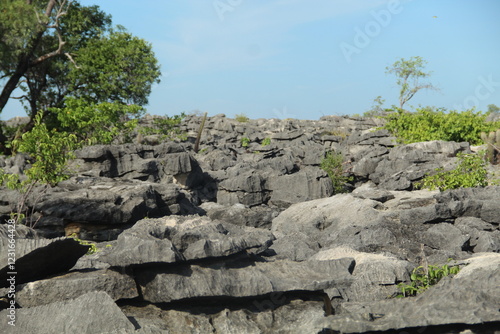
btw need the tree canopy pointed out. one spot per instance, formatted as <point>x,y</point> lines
<point>409,73</point>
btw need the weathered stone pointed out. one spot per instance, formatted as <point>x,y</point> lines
<point>75,284</point>
<point>253,279</point>
<point>94,311</point>
<point>471,297</point>
<point>173,239</point>
<point>38,258</point>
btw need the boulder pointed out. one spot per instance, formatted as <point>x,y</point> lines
<point>470,298</point>
<point>91,312</point>
<point>175,238</point>
<point>38,258</point>
<point>75,284</point>
<point>239,279</point>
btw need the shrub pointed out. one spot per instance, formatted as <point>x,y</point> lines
<point>167,127</point>
<point>49,151</point>
<point>470,172</point>
<point>435,124</point>
<point>245,141</point>
<point>96,123</point>
<point>242,118</point>
<point>333,164</point>
<point>423,278</point>
<point>266,141</point>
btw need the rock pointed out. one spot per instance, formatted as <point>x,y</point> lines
<point>445,237</point>
<point>308,184</point>
<point>94,311</point>
<point>75,284</point>
<point>375,276</point>
<point>470,298</point>
<point>241,280</point>
<point>238,214</point>
<point>320,218</point>
<point>173,239</point>
<point>406,164</point>
<point>484,237</point>
<point>39,258</point>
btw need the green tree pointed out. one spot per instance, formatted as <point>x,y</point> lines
<point>409,73</point>
<point>70,58</point>
<point>493,109</point>
<point>127,79</point>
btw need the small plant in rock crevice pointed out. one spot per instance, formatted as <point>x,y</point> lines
<point>245,141</point>
<point>470,172</point>
<point>93,248</point>
<point>423,278</point>
<point>333,164</point>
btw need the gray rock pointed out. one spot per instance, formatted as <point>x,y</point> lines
<point>239,280</point>
<point>38,258</point>
<point>471,297</point>
<point>75,284</point>
<point>308,184</point>
<point>172,239</point>
<point>238,214</point>
<point>445,237</point>
<point>375,276</point>
<point>94,311</point>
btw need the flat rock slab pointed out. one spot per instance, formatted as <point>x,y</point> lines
<point>472,297</point>
<point>75,284</point>
<point>182,238</point>
<point>39,258</point>
<point>94,312</point>
<point>254,279</point>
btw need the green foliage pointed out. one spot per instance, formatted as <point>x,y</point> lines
<point>430,124</point>
<point>167,127</point>
<point>95,123</point>
<point>266,141</point>
<point>127,79</point>
<point>93,248</point>
<point>242,118</point>
<point>408,73</point>
<point>333,165</point>
<point>49,151</point>
<point>423,278</point>
<point>245,141</point>
<point>470,172</point>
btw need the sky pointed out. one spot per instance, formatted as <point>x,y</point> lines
<point>310,58</point>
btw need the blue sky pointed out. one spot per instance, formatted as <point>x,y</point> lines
<point>305,59</point>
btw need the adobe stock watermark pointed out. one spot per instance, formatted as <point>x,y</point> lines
<point>283,113</point>
<point>11,274</point>
<point>363,37</point>
<point>483,91</point>
<point>223,6</point>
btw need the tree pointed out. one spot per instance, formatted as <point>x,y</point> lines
<point>493,109</point>
<point>23,23</point>
<point>127,79</point>
<point>98,64</point>
<point>408,73</point>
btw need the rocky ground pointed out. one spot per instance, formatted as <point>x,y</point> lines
<point>250,238</point>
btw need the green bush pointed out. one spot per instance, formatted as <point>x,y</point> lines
<point>266,141</point>
<point>242,118</point>
<point>422,279</point>
<point>333,164</point>
<point>95,123</point>
<point>167,127</point>
<point>245,141</point>
<point>435,124</point>
<point>470,172</point>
